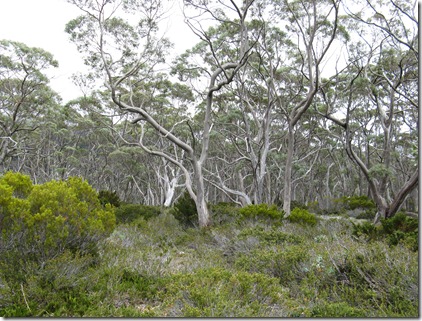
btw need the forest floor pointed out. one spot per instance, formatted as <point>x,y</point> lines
<point>239,268</point>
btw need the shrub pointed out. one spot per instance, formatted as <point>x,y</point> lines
<point>298,204</point>
<point>216,292</point>
<point>337,310</point>
<point>401,228</point>
<point>354,202</point>
<point>375,278</point>
<point>184,210</point>
<point>399,222</point>
<point>127,213</point>
<point>258,211</point>
<point>108,197</point>
<point>20,184</point>
<point>280,263</point>
<point>367,230</point>
<point>302,216</point>
<point>368,214</point>
<point>270,237</point>
<point>55,216</point>
<point>224,212</point>
<point>397,229</point>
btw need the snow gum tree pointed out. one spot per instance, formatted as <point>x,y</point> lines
<point>127,54</point>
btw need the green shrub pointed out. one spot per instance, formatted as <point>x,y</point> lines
<point>401,229</point>
<point>367,230</point>
<point>127,213</point>
<point>298,204</point>
<point>276,262</point>
<point>271,236</point>
<point>257,211</point>
<point>337,310</point>
<point>55,216</point>
<point>368,214</point>
<point>216,292</point>
<point>20,184</point>
<point>397,229</point>
<point>354,202</point>
<point>108,197</point>
<point>223,212</point>
<point>375,277</point>
<point>302,216</point>
<point>184,210</point>
<point>399,222</point>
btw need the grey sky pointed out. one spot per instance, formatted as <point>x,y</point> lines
<point>41,23</point>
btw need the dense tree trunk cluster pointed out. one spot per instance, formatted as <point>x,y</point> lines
<point>279,101</point>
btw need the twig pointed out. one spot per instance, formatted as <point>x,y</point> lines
<point>24,297</point>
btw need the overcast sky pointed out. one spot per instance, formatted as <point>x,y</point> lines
<point>41,23</point>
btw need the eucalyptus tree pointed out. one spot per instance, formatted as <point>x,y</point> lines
<point>382,83</point>
<point>312,26</point>
<point>128,55</point>
<point>25,97</point>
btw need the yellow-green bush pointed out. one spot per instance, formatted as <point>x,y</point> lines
<point>302,216</point>
<point>261,211</point>
<point>40,222</point>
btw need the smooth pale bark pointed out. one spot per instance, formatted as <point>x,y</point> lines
<point>312,64</point>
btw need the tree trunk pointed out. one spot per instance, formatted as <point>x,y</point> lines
<point>200,202</point>
<point>288,172</point>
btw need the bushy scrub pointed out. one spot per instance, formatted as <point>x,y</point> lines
<point>109,197</point>
<point>337,310</point>
<point>302,216</point>
<point>59,287</point>
<point>223,212</point>
<point>366,230</point>
<point>376,275</point>
<point>354,202</point>
<point>184,210</point>
<point>40,222</point>
<point>270,236</point>
<point>261,211</point>
<point>127,213</point>
<point>217,292</point>
<point>397,229</point>
<point>401,229</point>
<point>277,262</point>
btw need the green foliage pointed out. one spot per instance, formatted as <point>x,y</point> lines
<point>374,277</point>
<point>223,212</point>
<point>399,222</point>
<point>276,262</point>
<point>401,228</point>
<point>251,268</point>
<point>184,210</point>
<point>353,202</point>
<point>270,237</point>
<point>297,204</point>
<point>337,310</point>
<point>55,216</point>
<point>368,214</point>
<point>367,230</point>
<point>127,213</point>
<point>217,292</point>
<point>264,211</point>
<point>398,229</point>
<point>20,184</point>
<point>302,216</point>
<point>109,197</point>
